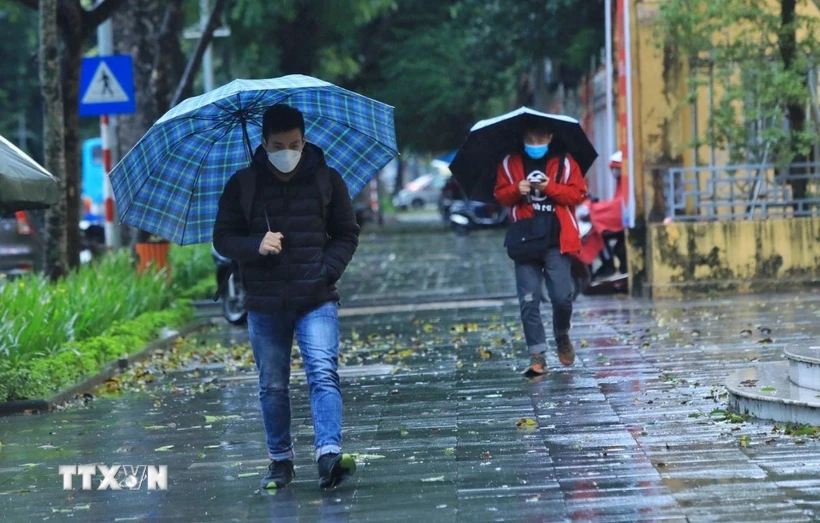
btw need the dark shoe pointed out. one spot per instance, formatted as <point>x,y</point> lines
<point>605,271</point>
<point>566,352</point>
<point>538,366</point>
<point>335,468</point>
<point>280,473</point>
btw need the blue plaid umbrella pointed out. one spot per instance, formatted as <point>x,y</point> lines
<point>170,182</point>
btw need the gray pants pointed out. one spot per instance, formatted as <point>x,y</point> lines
<point>529,278</point>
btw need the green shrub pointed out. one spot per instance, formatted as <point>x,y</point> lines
<point>190,265</point>
<point>204,290</point>
<point>42,377</point>
<point>39,317</point>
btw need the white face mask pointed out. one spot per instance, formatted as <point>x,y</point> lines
<point>285,161</point>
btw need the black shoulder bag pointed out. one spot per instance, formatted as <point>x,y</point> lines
<point>527,240</point>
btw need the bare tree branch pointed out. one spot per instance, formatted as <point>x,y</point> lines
<point>195,61</point>
<point>93,18</point>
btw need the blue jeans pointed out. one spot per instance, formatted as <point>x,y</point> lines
<point>317,332</point>
<point>556,271</point>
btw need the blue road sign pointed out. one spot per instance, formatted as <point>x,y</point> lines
<point>107,85</point>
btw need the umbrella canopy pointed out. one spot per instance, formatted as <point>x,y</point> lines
<point>169,184</point>
<point>491,140</point>
<point>24,183</point>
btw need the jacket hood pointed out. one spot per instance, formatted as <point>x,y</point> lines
<point>312,156</point>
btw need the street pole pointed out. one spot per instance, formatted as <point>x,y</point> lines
<point>105,47</point>
<point>610,103</point>
<point>630,135</point>
<point>208,57</point>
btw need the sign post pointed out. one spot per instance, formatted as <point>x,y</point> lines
<point>106,89</point>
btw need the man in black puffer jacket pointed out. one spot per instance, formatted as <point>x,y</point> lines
<point>289,221</point>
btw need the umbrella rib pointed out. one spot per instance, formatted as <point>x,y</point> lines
<point>124,212</point>
<point>196,179</point>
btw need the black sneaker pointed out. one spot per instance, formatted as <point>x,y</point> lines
<point>538,366</point>
<point>280,473</point>
<point>334,469</point>
<point>566,352</point>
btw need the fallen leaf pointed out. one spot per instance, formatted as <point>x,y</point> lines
<point>744,441</point>
<point>404,432</point>
<point>433,480</point>
<point>768,389</point>
<point>526,424</point>
<point>366,457</point>
<point>214,419</point>
<point>765,341</point>
<point>160,427</point>
<point>718,415</point>
<point>449,452</point>
<point>584,344</point>
<point>165,448</point>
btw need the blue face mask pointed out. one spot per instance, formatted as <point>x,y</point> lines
<point>536,152</point>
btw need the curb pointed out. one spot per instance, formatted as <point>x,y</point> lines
<point>114,368</point>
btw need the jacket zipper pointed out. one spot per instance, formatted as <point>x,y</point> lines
<point>284,250</point>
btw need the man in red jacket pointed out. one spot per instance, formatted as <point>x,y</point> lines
<point>533,182</point>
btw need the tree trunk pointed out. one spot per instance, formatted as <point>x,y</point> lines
<point>399,185</point>
<point>299,42</point>
<point>72,60</point>
<point>53,144</point>
<point>796,112</point>
<point>149,31</point>
<point>195,61</point>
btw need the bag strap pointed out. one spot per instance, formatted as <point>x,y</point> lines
<point>561,161</point>
<point>325,185</point>
<point>247,188</point>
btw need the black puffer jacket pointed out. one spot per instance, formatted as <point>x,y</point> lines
<point>315,251</point>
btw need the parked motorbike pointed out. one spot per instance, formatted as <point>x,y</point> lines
<point>230,289</point>
<point>466,215</point>
<point>593,269</point>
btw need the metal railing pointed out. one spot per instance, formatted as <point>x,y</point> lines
<point>736,192</point>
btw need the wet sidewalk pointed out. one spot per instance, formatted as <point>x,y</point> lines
<point>443,425</point>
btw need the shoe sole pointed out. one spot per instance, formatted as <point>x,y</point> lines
<point>273,485</point>
<point>531,373</point>
<point>566,359</point>
<point>341,471</point>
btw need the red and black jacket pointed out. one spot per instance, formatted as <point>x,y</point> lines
<point>566,193</point>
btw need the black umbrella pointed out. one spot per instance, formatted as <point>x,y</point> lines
<point>474,167</point>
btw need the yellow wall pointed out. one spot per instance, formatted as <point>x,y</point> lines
<point>663,129</point>
<point>739,256</point>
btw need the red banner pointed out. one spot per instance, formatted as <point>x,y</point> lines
<point>623,134</point>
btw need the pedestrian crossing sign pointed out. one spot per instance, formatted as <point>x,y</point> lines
<point>107,86</point>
